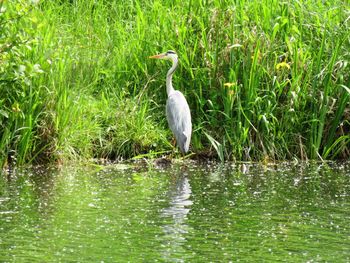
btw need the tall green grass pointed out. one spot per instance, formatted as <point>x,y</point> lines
<point>264,79</point>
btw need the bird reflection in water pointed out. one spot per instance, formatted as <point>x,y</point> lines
<point>176,227</point>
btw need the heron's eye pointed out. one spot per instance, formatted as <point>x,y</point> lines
<point>170,52</point>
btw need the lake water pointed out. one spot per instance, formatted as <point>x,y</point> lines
<point>179,213</point>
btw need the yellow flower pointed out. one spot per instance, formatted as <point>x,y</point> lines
<point>282,65</point>
<point>230,84</point>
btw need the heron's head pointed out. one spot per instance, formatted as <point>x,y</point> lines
<point>169,55</point>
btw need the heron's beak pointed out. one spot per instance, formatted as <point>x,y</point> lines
<point>159,56</point>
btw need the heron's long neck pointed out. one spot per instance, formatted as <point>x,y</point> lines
<point>169,77</point>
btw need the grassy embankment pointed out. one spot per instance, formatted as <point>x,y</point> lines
<point>264,79</point>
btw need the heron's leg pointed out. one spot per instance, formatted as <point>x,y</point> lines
<point>173,142</point>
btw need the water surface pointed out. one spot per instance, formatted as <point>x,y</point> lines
<point>180,213</point>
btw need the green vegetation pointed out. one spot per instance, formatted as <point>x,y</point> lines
<point>264,79</point>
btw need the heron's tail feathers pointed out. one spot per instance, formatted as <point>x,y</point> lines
<point>185,143</point>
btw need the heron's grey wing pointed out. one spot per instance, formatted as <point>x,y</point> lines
<point>179,119</point>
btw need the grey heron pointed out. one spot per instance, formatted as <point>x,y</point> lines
<point>177,110</point>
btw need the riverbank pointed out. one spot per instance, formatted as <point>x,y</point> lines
<point>264,80</point>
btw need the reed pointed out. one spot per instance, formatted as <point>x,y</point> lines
<point>265,80</point>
